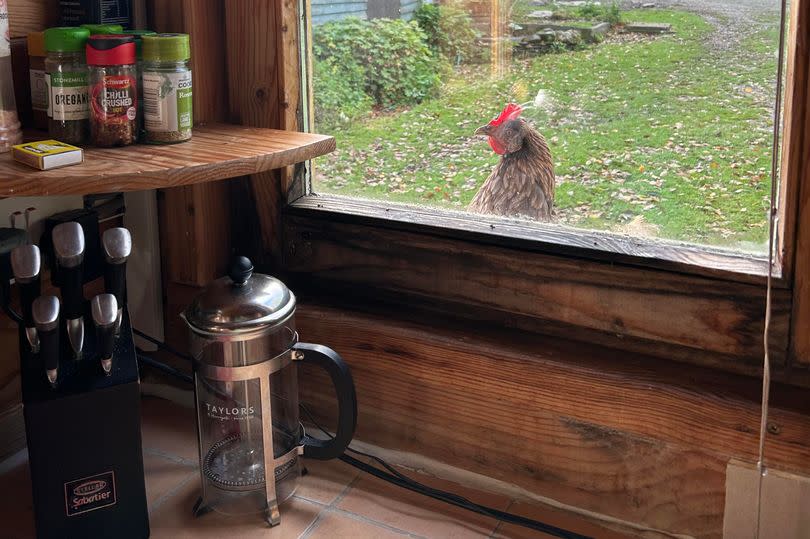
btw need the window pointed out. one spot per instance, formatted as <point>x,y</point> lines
<point>659,120</point>
<point>657,241</point>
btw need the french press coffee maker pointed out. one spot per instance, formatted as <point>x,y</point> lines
<point>245,350</point>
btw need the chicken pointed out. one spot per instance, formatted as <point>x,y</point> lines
<point>522,185</point>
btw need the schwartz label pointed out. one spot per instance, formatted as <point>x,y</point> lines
<point>90,493</point>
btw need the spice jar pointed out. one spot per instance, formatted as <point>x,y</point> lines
<point>113,90</point>
<point>10,133</point>
<point>167,104</point>
<point>138,35</point>
<point>36,74</point>
<point>66,75</point>
<point>104,29</point>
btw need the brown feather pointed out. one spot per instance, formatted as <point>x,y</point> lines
<point>522,184</point>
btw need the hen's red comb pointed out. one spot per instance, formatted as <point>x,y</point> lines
<point>509,112</point>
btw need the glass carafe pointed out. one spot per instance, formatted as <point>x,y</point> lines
<point>245,351</point>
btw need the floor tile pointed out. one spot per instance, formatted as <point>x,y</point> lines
<point>164,475</point>
<point>333,525</point>
<point>173,519</point>
<point>17,511</point>
<point>325,480</point>
<point>169,429</point>
<point>560,519</point>
<point>414,513</point>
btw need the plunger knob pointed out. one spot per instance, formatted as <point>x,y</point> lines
<point>240,270</point>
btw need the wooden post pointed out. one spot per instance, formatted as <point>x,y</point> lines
<point>195,220</point>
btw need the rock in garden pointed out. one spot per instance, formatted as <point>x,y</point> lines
<point>569,37</point>
<point>541,14</point>
<point>577,3</point>
<point>648,27</point>
<point>598,30</point>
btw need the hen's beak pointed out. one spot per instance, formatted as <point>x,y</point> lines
<point>483,130</point>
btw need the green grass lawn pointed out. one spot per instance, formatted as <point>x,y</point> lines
<point>657,136</point>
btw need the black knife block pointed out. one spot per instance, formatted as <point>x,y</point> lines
<point>84,441</point>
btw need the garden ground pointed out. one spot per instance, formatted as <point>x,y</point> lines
<point>665,136</point>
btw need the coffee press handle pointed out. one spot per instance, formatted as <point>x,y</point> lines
<point>341,376</point>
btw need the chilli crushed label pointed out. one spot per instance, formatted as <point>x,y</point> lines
<point>114,99</point>
<point>114,109</point>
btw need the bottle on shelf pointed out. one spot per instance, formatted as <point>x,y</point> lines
<point>10,131</point>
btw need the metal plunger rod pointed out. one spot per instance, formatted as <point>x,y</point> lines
<point>117,243</point>
<point>45,312</point>
<point>25,264</point>
<point>68,246</point>
<point>104,308</point>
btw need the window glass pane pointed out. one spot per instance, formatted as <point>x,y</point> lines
<point>657,116</point>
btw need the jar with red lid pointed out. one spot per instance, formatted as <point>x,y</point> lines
<point>113,84</point>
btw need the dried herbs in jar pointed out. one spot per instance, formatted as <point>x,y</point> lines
<point>113,90</point>
<point>66,78</point>
<point>166,74</point>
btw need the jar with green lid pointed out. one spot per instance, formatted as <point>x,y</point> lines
<point>66,77</point>
<point>166,75</point>
<point>138,35</point>
<point>104,29</point>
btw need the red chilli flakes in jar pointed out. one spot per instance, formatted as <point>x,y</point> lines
<point>113,90</point>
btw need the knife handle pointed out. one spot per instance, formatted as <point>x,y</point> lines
<point>104,309</point>
<point>28,293</point>
<point>105,337</point>
<point>49,348</point>
<point>46,317</point>
<point>72,292</point>
<point>115,281</point>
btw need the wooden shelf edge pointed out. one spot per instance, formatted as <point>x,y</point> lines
<point>216,152</point>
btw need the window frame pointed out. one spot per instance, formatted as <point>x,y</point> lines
<point>692,266</point>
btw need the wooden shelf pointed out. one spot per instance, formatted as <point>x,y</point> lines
<point>216,152</point>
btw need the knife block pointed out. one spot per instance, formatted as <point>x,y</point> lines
<point>84,442</point>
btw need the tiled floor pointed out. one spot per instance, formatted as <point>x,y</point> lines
<point>333,500</point>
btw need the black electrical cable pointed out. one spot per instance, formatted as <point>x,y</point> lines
<point>162,345</point>
<point>146,360</point>
<point>404,481</point>
<point>392,475</point>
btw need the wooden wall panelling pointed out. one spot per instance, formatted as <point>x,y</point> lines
<point>198,217</point>
<point>259,97</point>
<point>293,96</point>
<point>794,142</point>
<point>31,15</point>
<point>698,314</point>
<point>636,438</point>
<point>797,211</point>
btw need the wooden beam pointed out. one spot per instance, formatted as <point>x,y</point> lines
<point>636,438</point>
<point>697,314</point>
<point>257,40</point>
<point>549,238</point>
<point>198,240</point>
<point>796,191</point>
